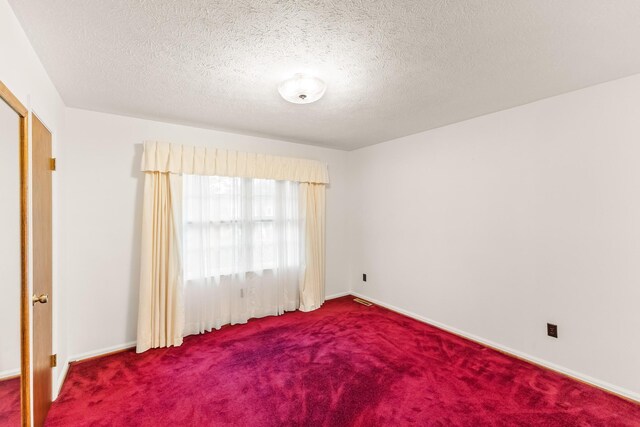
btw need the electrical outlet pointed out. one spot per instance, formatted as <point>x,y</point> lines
<point>552,330</point>
<point>364,277</point>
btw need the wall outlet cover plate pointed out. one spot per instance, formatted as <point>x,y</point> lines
<point>552,330</point>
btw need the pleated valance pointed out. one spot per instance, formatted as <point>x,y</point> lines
<point>192,160</point>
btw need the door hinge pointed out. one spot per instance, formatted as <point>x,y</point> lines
<point>52,162</point>
<point>54,360</point>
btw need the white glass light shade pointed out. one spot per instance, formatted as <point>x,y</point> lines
<point>302,89</point>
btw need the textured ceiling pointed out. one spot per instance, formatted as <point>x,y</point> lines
<point>392,67</point>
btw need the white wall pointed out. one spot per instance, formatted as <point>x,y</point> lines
<point>500,224</point>
<point>24,75</point>
<point>102,198</point>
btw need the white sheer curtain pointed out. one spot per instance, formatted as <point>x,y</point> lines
<point>243,250</point>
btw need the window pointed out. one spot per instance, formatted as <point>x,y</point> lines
<point>239,225</point>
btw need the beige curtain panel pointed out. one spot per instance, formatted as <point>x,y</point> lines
<point>161,314</point>
<point>312,200</point>
<point>161,310</point>
<point>190,160</point>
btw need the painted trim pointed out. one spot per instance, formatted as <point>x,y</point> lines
<point>84,356</point>
<point>628,394</point>
<point>61,378</point>
<point>25,251</point>
<point>101,352</point>
<point>9,373</point>
<point>621,392</point>
<point>338,295</point>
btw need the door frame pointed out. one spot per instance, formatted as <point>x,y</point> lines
<point>25,336</point>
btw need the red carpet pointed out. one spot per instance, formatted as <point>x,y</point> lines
<point>10,402</point>
<point>342,365</point>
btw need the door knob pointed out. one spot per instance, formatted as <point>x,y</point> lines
<point>42,299</point>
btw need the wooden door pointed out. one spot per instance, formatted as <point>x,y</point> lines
<point>42,269</point>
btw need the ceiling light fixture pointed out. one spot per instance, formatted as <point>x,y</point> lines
<point>302,89</point>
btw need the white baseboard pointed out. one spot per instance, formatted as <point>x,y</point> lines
<point>554,367</point>
<point>8,373</point>
<point>549,365</point>
<point>338,295</point>
<point>87,355</point>
<point>61,377</point>
<point>101,352</point>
